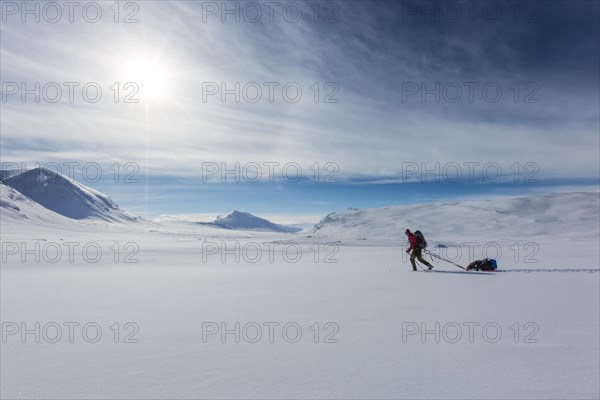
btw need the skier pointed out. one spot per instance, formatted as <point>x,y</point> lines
<point>415,247</point>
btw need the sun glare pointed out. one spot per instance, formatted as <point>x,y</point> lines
<point>150,76</point>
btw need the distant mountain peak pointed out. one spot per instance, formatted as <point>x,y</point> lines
<point>244,220</point>
<point>64,196</point>
<point>241,220</point>
<point>530,216</point>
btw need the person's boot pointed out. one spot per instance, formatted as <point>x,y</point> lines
<point>430,266</point>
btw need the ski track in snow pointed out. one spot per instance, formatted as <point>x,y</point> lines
<point>561,270</point>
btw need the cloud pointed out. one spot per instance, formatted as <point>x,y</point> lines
<point>375,55</point>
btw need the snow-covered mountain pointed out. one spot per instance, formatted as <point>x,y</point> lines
<point>57,193</point>
<point>560,215</point>
<point>239,220</point>
<point>15,206</point>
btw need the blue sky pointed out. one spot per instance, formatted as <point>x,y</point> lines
<point>385,85</point>
<point>315,200</point>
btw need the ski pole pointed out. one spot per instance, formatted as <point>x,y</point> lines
<point>419,264</point>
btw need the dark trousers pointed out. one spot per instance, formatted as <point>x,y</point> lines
<point>416,253</point>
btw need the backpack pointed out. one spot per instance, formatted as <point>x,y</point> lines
<point>421,242</point>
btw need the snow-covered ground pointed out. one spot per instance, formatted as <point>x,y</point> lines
<point>193,311</point>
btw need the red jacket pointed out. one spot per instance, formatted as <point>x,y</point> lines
<point>412,242</point>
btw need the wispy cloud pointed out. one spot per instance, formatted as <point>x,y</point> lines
<point>376,55</point>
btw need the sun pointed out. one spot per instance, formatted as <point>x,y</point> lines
<point>150,76</point>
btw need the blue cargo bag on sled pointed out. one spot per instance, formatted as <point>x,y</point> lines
<point>487,264</point>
